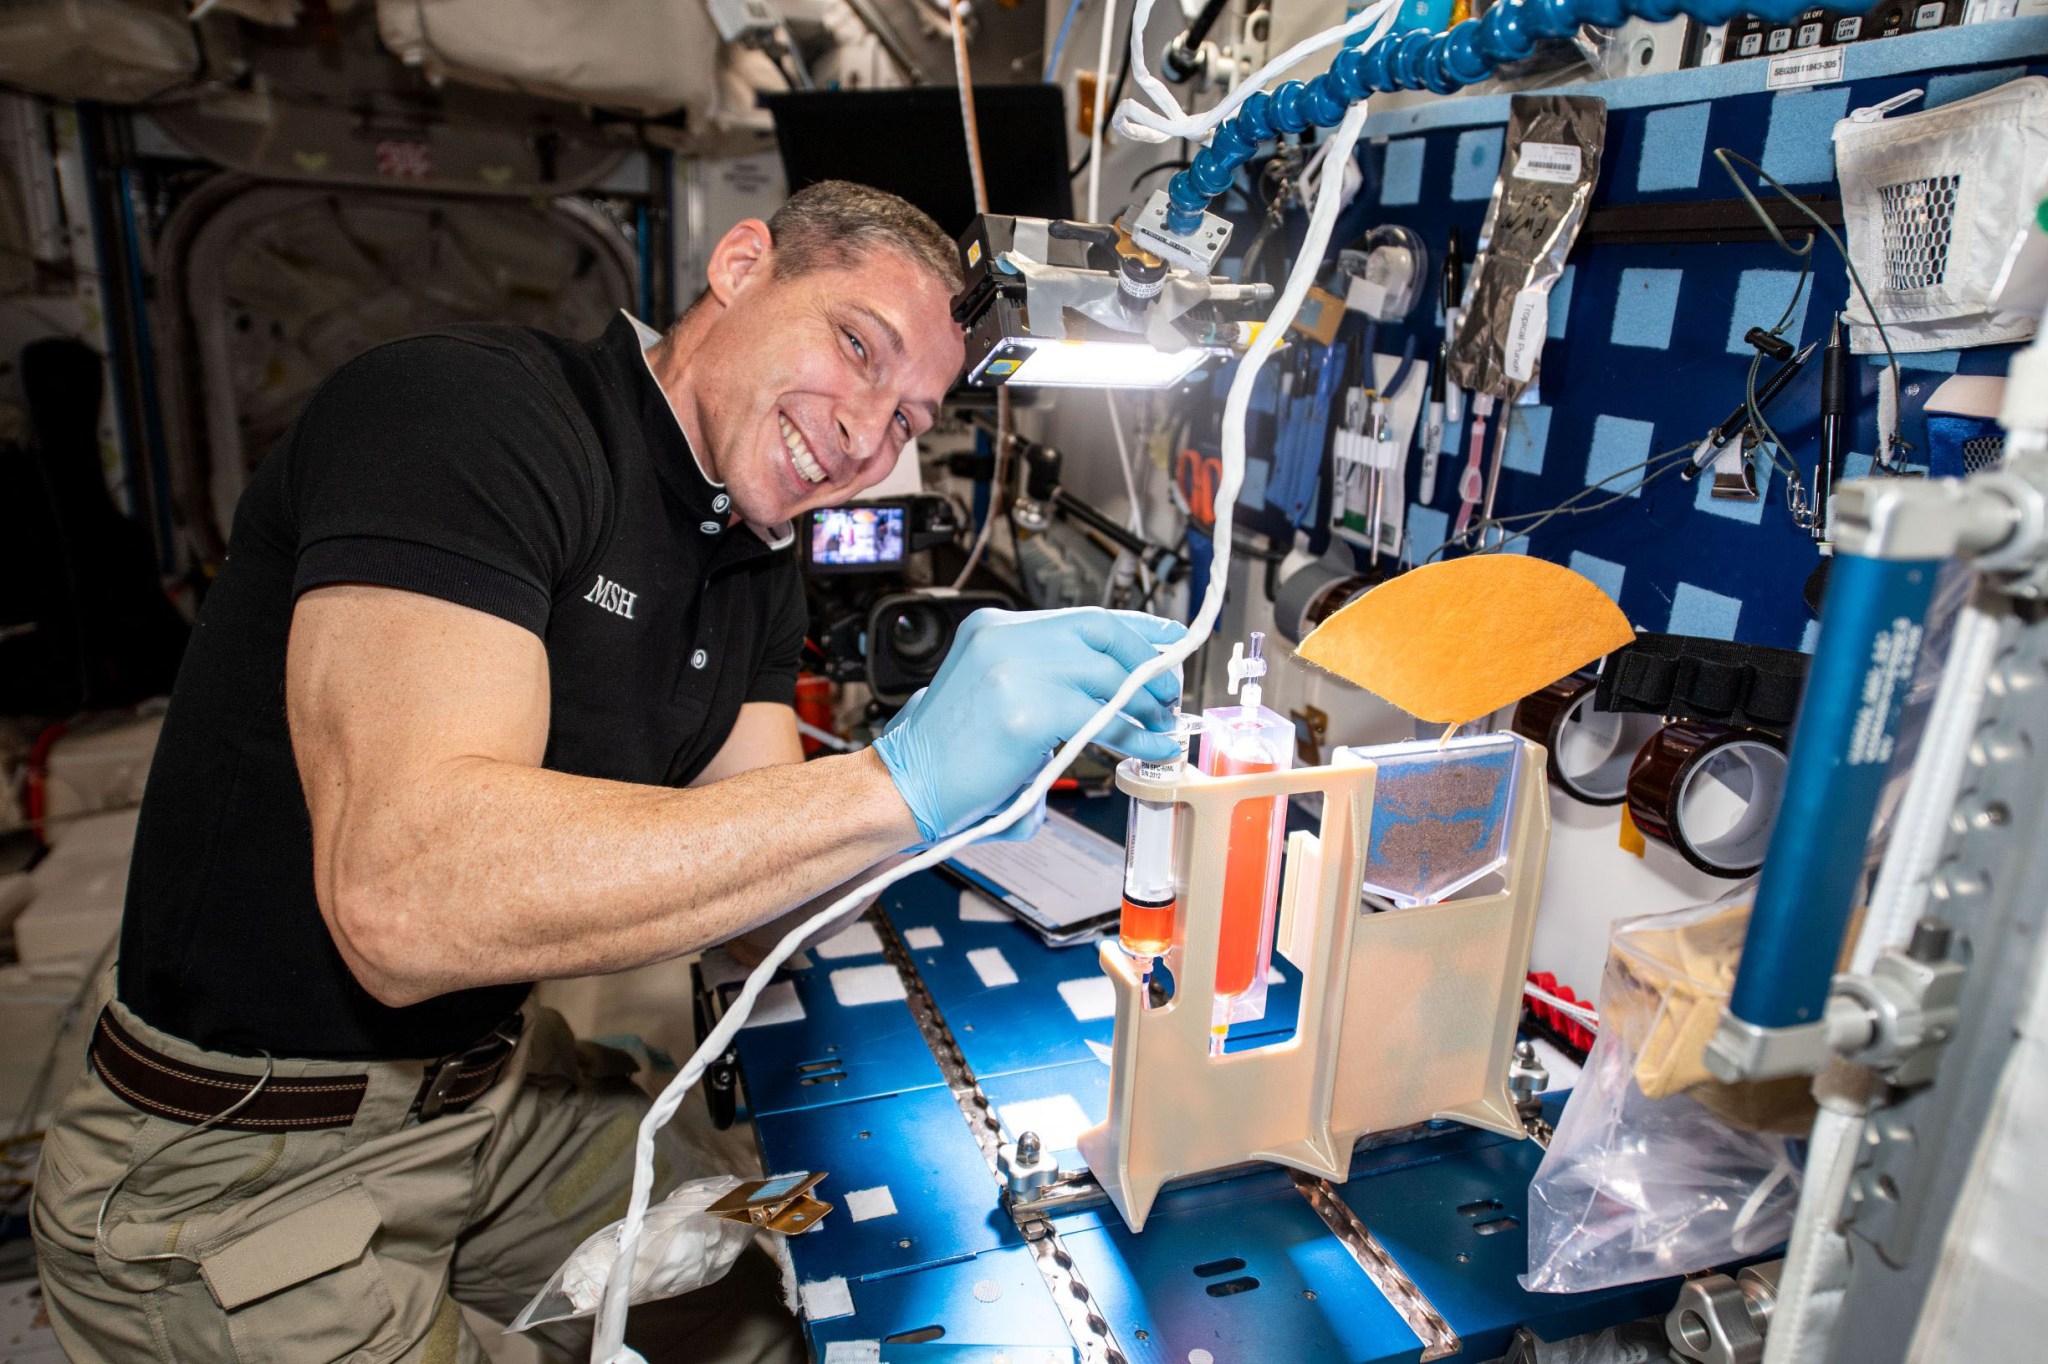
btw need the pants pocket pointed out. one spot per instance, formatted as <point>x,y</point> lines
<point>307,1285</point>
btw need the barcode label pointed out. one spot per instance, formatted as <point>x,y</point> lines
<point>1554,162</point>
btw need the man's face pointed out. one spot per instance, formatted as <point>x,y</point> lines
<point>807,388</point>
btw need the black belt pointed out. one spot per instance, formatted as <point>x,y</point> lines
<point>168,1088</point>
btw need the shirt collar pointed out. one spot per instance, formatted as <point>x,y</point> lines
<point>775,537</point>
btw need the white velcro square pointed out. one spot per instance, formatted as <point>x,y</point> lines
<point>1089,998</point>
<point>857,939</point>
<point>825,1299</point>
<point>992,966</point>
<point>853,985</point>
<point>862,1204</point>
<point>975,909</point>
<point>776,1004</point>
<point>1058,1119</point>
<point>922,939</point>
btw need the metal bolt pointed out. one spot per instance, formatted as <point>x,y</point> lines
<point>1930,941</point>
<point>1027,1148</point>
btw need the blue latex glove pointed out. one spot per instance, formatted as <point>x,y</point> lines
<point>1014,687</point>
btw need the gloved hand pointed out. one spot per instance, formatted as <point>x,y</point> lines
<point>1013,688</point>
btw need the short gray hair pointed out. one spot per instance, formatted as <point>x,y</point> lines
<point>835,224</point>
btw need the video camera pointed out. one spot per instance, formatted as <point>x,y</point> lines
<point>867,620</point>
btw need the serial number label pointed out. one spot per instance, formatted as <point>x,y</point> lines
<point>1813,67</point>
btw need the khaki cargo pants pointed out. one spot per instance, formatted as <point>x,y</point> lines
<point>358,1243</point>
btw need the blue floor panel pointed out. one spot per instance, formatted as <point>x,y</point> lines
<point>995,1298</point>
<point>1298,1296</point>
<point>835,1053</point>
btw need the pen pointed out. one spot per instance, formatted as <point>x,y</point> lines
<point>1834,428</point>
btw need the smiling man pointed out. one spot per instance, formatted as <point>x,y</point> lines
<point>494,687</point>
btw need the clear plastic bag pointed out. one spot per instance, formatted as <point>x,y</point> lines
<point>1635,1187</point>
<point>683,1248</point>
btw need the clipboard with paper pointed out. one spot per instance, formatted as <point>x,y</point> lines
<point>1063,882</point>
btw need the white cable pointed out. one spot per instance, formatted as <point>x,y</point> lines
<point>1167,120</point>
<point>1123,459</point>
<point>827,738</point>
<point>1584,1013</point>
<point>607,1344</point>
<point>998,485</point>
<point>964,77</point>
<point>1096,130</point>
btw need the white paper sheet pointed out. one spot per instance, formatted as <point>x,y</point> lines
<point>1066,871</point>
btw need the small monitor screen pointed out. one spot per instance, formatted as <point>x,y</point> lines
<point>857,537</point>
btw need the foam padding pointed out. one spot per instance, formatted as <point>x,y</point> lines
<point>1450,642</point>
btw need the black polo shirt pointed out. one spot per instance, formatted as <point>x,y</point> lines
<point>542,480</point>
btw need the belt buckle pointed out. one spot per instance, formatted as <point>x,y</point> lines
<point>443,1074</point>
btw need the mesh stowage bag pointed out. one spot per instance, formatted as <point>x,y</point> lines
<point>1930,202</point>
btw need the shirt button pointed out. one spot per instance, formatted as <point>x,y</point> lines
<point>720,502</point>
<point>709,527</point>
<point>699,659</point>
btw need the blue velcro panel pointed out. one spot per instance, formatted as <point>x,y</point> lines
<point>1085,1082</point>
<point>1760,299</point>
<point>1645,307</point>
<point>918,1147</point>
<point>1697,611</point>
<point>1528,436</point>
<point>1299,1295</point>
<point>1941,361</point>
<point>996,1298</point>
<point>1809,637</point>
<point>1401,173</point>
<point>1963,84</point>
<point>1618,443</point>
<point>1674,143</point>
<point>835,1053</point>
<point>1604,574</point>
<point>1427,527</point>
<point>1737,509</point>
<point>1560,302</point>
<point>1456,1225</point>
<point>1799,146</point>
<point>1477,164</point>
<point>1002,1028</point>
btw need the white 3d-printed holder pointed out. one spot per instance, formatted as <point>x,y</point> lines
<point>1406,1014</point>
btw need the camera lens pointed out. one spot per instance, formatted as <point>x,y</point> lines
<point>918,636</point>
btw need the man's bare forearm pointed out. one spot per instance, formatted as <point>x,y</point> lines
<point>482,871</point>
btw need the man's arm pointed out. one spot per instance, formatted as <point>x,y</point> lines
<point>764,735</point>
<point>444,857</point>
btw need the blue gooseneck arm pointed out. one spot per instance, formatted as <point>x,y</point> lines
<point>1419,60</point>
